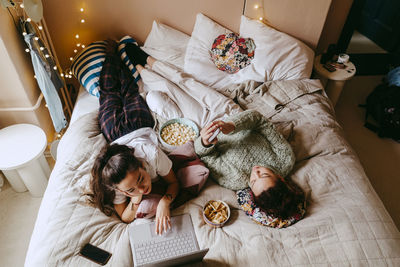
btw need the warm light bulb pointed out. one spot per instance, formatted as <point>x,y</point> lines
<point>40,27</point>
<point>77,36</point>
<point>71,58</point>
<point>82,21</point>
<point>78,44</point>
<point>21,5</point>
<point>260,18</point>
<point>41,48</point>
<point>28,19</point>
<point>34,76</point>
<point>27,50</point>
<point>62,74</point>
<point>36,38</point>
<point>24,33</point>
<point>46,105</point>
<point>47,55</point>
<point>70,72</point>
<point>75,51</point>
<point>82,9</point>
<point>58,135</point>
<point>83,46</point>
<point>55,67</point>
<point>256,6</point>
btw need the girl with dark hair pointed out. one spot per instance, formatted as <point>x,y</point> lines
<point>120,179</point>
<point>249,152</point>
<point>125,171</point>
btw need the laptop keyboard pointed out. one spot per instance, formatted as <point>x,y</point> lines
<point>151,251</point>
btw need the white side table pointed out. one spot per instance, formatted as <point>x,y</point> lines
<point>22,160</point>
<point>334,81</point>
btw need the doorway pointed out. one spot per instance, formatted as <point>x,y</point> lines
<point>375,24</point>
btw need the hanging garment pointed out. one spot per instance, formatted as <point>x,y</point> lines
<point>48,79</point>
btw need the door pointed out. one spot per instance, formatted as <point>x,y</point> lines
<point>380,22</point>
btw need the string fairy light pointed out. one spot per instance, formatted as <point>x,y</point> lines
<point>260,11</point>
<point>78,45</point>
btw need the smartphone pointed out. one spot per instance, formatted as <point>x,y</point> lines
<point>212,137</point>
<point>95,254</point>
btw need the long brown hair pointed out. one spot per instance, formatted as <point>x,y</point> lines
<point>110,168</point>
<point>281,200</point>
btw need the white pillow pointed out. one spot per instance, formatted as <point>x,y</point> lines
<point>166,44</point>
<point>278,56</point>
<point>161,104</point>
<point>198,61</point>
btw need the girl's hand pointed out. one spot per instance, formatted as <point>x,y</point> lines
<point>136,199</point>
<point>163,219</point>
<point>207,132</point>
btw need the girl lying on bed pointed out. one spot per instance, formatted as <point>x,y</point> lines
<point>249,143</point>
<point>121,174</point>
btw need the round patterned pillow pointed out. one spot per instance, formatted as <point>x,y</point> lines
<point>231,53</point>
<point>247,203</point>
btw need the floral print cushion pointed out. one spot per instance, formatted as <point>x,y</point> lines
<point>247,203</point>
<point>231,53</point>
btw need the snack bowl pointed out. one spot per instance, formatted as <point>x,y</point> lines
<point>180,123</point>
<point>211,210</point>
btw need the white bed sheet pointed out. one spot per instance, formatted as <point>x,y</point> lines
<point>84,104</point>
<point>345,224</point>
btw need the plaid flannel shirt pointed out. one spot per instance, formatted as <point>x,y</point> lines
<point>122,110</point>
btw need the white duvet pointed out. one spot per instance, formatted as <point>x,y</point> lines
<point>345,224</point>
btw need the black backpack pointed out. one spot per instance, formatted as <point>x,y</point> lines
<point>383,104</point>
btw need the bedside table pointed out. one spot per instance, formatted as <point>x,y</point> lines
<point>333,81</point>
<point>22,160</point>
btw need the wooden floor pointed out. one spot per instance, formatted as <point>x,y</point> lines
<point>379,157</point>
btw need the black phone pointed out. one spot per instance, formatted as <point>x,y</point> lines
<point>95,254</point>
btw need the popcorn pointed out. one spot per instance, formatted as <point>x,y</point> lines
<point>177,134</point>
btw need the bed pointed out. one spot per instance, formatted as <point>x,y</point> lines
<point>345,224</point>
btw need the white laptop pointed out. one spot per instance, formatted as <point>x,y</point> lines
<point>177,246</point>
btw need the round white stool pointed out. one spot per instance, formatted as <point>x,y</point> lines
<point>22,160</point>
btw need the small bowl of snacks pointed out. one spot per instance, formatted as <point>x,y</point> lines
<point>216,213</point>
<point>177,132</point>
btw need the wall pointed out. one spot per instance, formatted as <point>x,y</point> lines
<point>18,87</point>
<point>303,19</point>
<point>316,23</point>
<point>335,21</point>
<point>114,19</point>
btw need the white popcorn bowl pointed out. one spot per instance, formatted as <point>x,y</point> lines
<point>183,121</point>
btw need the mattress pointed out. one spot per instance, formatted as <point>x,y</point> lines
<point>345,224</point>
